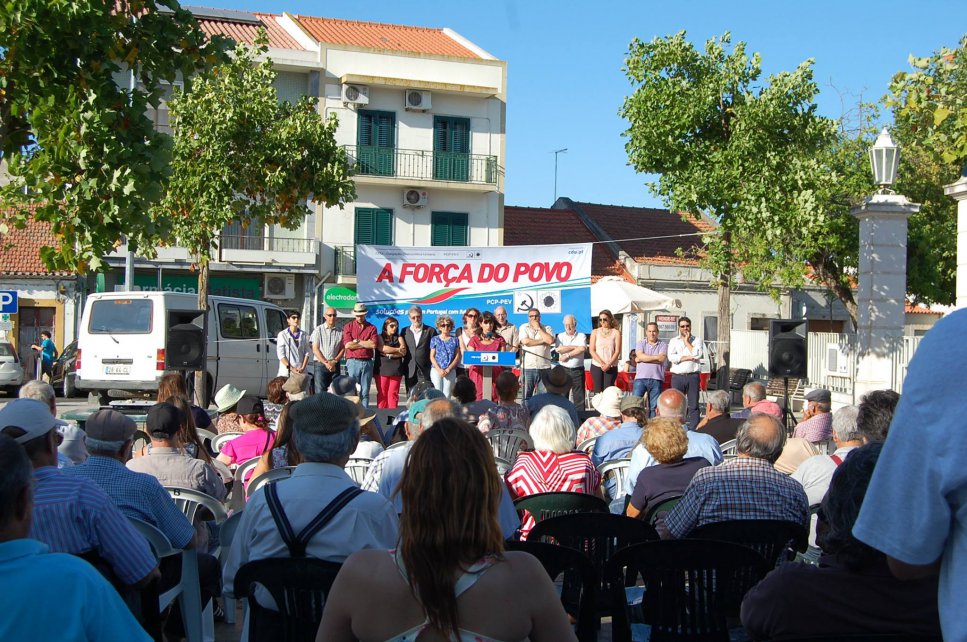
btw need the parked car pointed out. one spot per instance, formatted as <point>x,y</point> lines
<point>11,372</point>
<point>63,373</point>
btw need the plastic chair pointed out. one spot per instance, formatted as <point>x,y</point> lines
<point>615,470</point>
<point>503,466</point>
<point>189,501</point>
<point>357,467</point>
<point>141,441</point>
<point>587,445</point>
<point>688,587</point>
<point>661,508</point>
<point>188,589</point>
<point>268,476</point>
<point>219,440</point>
<point>207,437</point>
<point>299,587</point>
<point>398,444</point>
<point>558,560</point>
<point>598,536</point>
<point>506,443</point>
<point>545,505</point>
<point>729,450</point>
<point>226,535</point>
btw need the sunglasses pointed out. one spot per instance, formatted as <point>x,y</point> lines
<point>604,319</point>
<point>446,325</point>
<point>684,326</point>
<point>330,315</point>
<point>471,316</point>
<point>294,316</point>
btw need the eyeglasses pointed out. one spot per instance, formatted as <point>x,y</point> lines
<point>684,326</point>
<point>471,315</point>
<point>446,325</point>
<point>293,316</point>
<point>330,315</point>
<point>534,316</point>
<point>604,319</point>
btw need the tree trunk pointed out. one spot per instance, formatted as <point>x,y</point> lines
<point>828,274</point>
<point>723,344</point>
<point>201,396</point>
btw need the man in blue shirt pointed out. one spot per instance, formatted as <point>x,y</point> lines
<point>617,443</point>
<point>49,596</point>
<point>48,352</point>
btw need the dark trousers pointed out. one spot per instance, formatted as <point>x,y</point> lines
<point>601,379</point>
<point>688,385</point>
<point>322,378</point>
<point>577,386</point>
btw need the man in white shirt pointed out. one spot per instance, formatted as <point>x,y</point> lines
<point>535,349</point>
<point>685,355</point>
<point>570,346</point>
<point>292,347</point>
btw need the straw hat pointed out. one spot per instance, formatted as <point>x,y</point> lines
<point>608,403</point>
<point>227,397</point>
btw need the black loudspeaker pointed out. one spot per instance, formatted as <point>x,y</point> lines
<point>186,345</point>
<point>787,348</point>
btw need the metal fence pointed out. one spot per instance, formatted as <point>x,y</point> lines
<point>423,164</point>
<point>345,262</point>
<point>831,358</point>
<point>266,243</point>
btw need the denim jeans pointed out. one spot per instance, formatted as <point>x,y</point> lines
<point>322,378</point>
<point>653,388</point>
<point>362,371</point>
<point>441,383</point>
<point>532,383</point>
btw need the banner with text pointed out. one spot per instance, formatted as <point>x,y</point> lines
<point>555,279</point>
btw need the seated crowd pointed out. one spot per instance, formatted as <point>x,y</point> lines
<point>428,520</point>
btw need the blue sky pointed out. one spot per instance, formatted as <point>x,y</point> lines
<point>565,84</point>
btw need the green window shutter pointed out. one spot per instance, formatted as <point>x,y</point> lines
<point>384,227</point>
<point>449,228</point>
<point>364,129</point>
<point>451,148</point>
<point>365,228</point>
<point>376,141</point>
<point>441,134</point>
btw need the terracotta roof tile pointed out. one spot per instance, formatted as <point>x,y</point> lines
<point>246,32</point>
<point>20,249</point>
<point>522,225</point>
<point>621,222</point>
<point>916,309</point>
<point>384,36</point>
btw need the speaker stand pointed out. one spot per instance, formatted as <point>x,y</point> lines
<point>788,419</point>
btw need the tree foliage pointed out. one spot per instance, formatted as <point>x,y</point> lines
<point>73,125</point>
<point>242,155</point>
<point>732,146</point>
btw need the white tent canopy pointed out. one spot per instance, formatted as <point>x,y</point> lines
<point>615,294</point>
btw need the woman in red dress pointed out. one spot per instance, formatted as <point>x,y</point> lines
<point>553,465</point>
<point>485,339</point>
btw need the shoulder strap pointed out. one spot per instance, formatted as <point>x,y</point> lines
<point>297,543</point>
<point>836,459</point>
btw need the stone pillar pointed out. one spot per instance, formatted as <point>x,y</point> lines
<point>958,191</point>
<point>882,288</point>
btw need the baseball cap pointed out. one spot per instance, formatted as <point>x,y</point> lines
<point>417,408</point>
<point>164,420</point>
<point>31,416</point>
<point>631,401</point>
<point>110,425</point>
<point>249,405</point>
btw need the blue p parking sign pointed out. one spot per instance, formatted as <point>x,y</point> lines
<point>8,302</point>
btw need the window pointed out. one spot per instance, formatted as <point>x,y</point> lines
<point>275,321</point>
<point>238,321</point>
<point>160,115</point>
<point>451,148</point>
<point>121,316</point>
<point>759,323</point>
<point>376,142</point>
<point>374,226</point>
<point>449,228</point>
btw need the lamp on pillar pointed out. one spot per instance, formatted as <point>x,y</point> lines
<point>882,272</point>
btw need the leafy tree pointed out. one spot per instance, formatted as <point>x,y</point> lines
<point>242,155</point>
<point>73,129</point>
<point>734,148</point>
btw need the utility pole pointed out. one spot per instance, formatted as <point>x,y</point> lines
<point>556,152</point>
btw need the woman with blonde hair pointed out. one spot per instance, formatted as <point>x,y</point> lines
<point>450,568</point>
<point>553,465</point>
<point>667,442</point>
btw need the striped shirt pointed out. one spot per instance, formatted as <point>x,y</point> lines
<point>541,471</point>
<point>744,488</point>
<point>73,515</point>
<point>137,495</point>
<point>328,339</point>
<point>595,426</point>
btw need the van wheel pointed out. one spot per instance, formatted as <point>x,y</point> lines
<point>68,387</point>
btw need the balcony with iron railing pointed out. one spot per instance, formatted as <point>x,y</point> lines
<point>345,260</point>
<point>262,248</point>
<point>475,171</point>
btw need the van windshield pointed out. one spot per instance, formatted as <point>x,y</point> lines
<point>121,316</point>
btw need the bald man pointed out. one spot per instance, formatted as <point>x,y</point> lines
<point>327,348</point>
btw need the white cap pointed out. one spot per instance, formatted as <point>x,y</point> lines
<point>30,415</point>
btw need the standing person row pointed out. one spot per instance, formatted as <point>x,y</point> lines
<point>361,340</point>
<point>685,353</point>
<point>570,346</point>
<point>328,349</point>
<point>535,351</point>
<point>605,352</point>
<point>651,356</point>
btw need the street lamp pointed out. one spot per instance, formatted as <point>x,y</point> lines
<point>884,158</point>
<point>556,152</point>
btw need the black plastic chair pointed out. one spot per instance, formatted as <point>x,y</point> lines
<point>299,586</point>
<point>598,536</point>
<point>866,637</point>
<point>688,587</point>
<point>545,505</point>
<point>558,560</point>
<point>661,508</point>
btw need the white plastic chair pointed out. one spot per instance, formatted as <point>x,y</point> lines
<point>729,450</point>
<point>616,469</point>
<point>268,476</point>
<point>587,445</point>
<point>188,590</point>
<point>226,534</point>
<point>207,437</point>
<point>506,443</point>
<point>189,500</point>
<point>220,440</point>
<point>357,467</point>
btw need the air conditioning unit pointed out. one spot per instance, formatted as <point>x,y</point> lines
<point>415,198</point>
<point>837,359</point>
<point>415,100</point>
<point>355,94</point>
<point>279,286</point>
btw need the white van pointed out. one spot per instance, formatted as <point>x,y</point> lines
<point>121,343</point>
